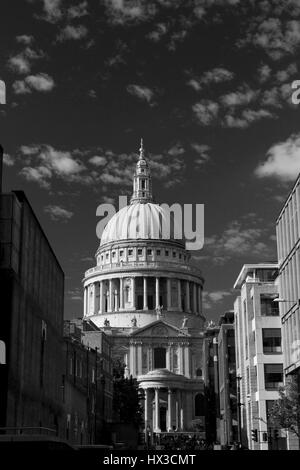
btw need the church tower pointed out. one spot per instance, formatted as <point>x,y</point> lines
<point>142,184</point>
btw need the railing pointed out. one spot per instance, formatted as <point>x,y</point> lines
<point>169,266</point>
<point>28,429</point>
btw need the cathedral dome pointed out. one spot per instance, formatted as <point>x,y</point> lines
<point>140,221</point>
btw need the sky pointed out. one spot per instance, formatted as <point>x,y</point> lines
<point>206,83</point>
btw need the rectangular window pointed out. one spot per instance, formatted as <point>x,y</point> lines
<point>158,252</point>
<point>113,254</point>
<point>273,376</point>
<point>174,254</point>
<point>140,251</point>
<point>268,307</point>
<point>121,252</point>
<point>107,255</point>
<point>271,340</point>
<point>180,256</point>
<point>149,252</point>
<point>130,252</point>
<point>167,253</point>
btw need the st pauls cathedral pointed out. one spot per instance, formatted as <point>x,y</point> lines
<point>146,294</point>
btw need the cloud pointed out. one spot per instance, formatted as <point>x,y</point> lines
<point>176,150</point>
<point>58,214</point>
<point>213,76</point>
<point>71,32</point>
<point>40,82</point>
<point>247,117</point>
<point>52,10</point>
<point>215,297</point>
<point>25,39</point>
<point>243,96</point>
<point>2,92</point>
<point>44,162</point>
<point>283,160</point>
<point>21,63</point>
<point>206,111</point>
<point>246,238</point>
<point>202,152</point>
<point>8,160</point>
<point>141,92</point>
<point>77,11</point>
<point>98,161</point>
<point>129,11</point>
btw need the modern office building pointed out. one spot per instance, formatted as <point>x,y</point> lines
<point>227,381</point>
<point>32,291</point>
<point>288,249</point>
<point>259,359</point>
<point>146,294</point>
<point>288,246</point>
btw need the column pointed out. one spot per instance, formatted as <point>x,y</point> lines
<point>187,294</point>
<point>177,410</point>
<point>110,296</point>
<point>168,293</point>
<point>156,292</point>
<point>121,293</point>
<point>194,298</point>
<point>116,300</point>
<point>169,424</point>
<point>84,302</point>
<point>145,303</point>
<point>199,300</point>
<point>181,410</point>
<point>139,359</point>
<point>179,295</point>
<point>96,297</point>
<point>157,416</point>
<point>132,359</point>
<point>133,293</point>
<point>101,309</point>
<point>187,361</point>
<point>146,411</point>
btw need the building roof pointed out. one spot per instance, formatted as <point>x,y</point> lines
<point>247,268</point>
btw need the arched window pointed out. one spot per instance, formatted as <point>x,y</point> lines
<point>199,405</point>
<point>199,372</point>
<point>159,358</point>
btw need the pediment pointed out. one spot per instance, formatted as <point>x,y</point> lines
<point>159,328</point>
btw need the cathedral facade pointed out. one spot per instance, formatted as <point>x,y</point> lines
<point>146,293</point>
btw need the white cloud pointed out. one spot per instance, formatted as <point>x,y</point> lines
<point>215,297</point>
<point>98,161</point>
<point>58,214</point>
<point>25,39</point>
<point>176,150</point>
<point>283,160</point>
<point>206,111</point>
<point>8,160</point>
<point>142,92</point>
<point>52,10</point>
<point>202,151</point>
<point>40,82</point>
<point>243,96</point>
<point>129,11</point>
<point>71,32</point>
<point>77,11</point>
<point>213,76</point>
<point>21,63</point>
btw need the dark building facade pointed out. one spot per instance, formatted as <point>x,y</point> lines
<point>87,385</point>
<point>211,383</point>
<point>227,380</point>
<point>32,291</point>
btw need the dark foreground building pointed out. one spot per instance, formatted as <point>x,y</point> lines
<point>31,336</point>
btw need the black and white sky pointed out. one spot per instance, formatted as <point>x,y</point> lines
<point>206,83</point>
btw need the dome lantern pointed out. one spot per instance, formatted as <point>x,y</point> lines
<point>142,184</point>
